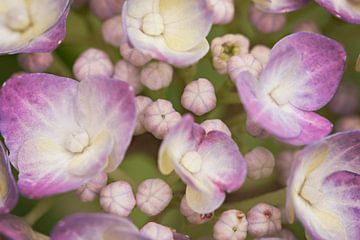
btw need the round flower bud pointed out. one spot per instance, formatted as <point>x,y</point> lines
<point>244,63</point>
<point>93,62</point>
<point>266,22</point>
<point>117,198</point>
<point>263,220</point>
<point>260,163</point>
<point>159,117</point>
<point>261,53</point>
<point>35,62</point>
<point>232,224</point>
<point>255,130</point>
<point>223,10</point>
<point>346,100</point>
<point>192,216</point>
<point>157,231</point>
<point>142,103</point>
<point>127,72</point>
<point>349,123</point>
<point>89,191</point>
<point>306,26</point>
<point>112,31</point>
<point>215,125</point>
<point>225,47</point>
<point>156,75</point>
<point>105,9</point>
<point>357,67</point>
<point>133,55</point>
<point>199,97</point>
<point>153,196</point>
<point>283,164</point>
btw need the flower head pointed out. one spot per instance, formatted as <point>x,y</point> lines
<point>291,87</point>
<point>62,133</point>
<point>324,187</point>
<point>169,30</point>
<point>27,26</point>
<point>210,164</point>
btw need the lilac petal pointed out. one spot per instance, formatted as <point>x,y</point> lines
<point>51,38</point>
<point>320,58</point>
<point>279,6</point>
<point>33,104</point>
<point>8,188</point>
<point>227,172</point>
<point>182,138</point>
<point>324,187</point>
<point>107,104</point>
<point>96,226</point>
<point>12,227</point>
<point>343,9</point>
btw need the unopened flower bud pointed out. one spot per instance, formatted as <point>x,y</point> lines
<point>260,163</point>
<point>157,231</point>
<point>159,117</point>
<point>127,72</point>
<point>244,63</point>
<point>261,53</point>
<point>117,198</point>
<point>225,47</point>
<point>192,216</point>
<point>112,31</point>
<point>199,97</point>
<point>132,55</point>
<point>93,62</point>
<point>223,10</point>
<point>283,166</point>
<point>306,26</point>
<point>142,103</point>
<point>153,196</point>
<point>266,22</point>
<point>215,125</point>
<point>105,9</point>
<point>156,75</point>
<point>232,224</point>
<point>348,123</point>
<point>255,130</point>
<point>89,191</point>
<point>35,62</point>
<point>263,220</point>
<point>346,100</point>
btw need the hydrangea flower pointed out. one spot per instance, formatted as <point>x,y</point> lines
<point>27,26</point>
<point>172,31</point>
<point>210,164</point>
<point>324,187</point>
<point>62,133</point>
<point>8,188</point>
<point>96,226</point>
<point>302,76</point>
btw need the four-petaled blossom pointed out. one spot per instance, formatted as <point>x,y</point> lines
<point>8,188</point>
<point>279,6</point>
<point>302,75</point>
<point>324,187</point>
<point>62,133</point>
<point>27,26</point>
<point>210,164</point>
<point>96,226</point>
<point>169,30</point>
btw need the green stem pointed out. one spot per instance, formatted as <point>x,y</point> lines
<point>39,210</point>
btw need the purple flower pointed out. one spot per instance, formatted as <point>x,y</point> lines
<point>347,10</point>
<point>62,133</point>
<point>324,187</point>
<point>279,6</point>
<point>210,164</point>
<point>95,226</point>
<point>302,75</point>
<point>8,188</point>
<point>27,26</point>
